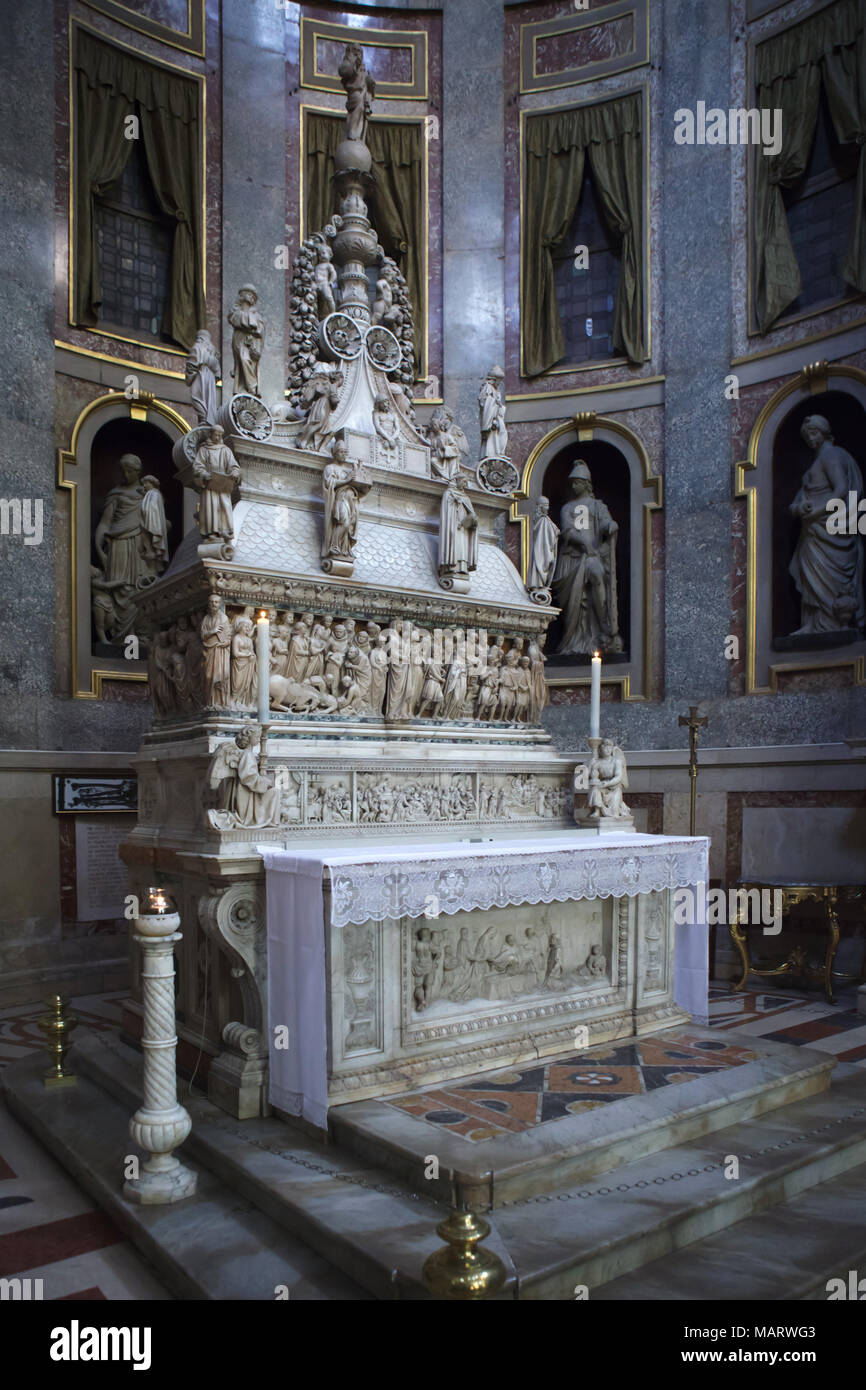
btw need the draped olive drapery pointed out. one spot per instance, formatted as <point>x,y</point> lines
<point>396,205</point>
<point>829,47</point>
<point>111,85</point>
<point>556,147</point>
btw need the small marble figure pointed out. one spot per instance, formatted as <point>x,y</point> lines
<point>608,779</point>
<point>458,536</point>
<point>216,638</point>
<point>360,90</point>
<point>325,280</point>
<point>320,396</point>
<point>344,483</point>
<point>542,558</point>
<point>201,372</point>
<point>448,444</point>
<point>215,472</point>
<point>491,407</point>
<point>387,430</point>
<point>243,665</point>
<point>248,339</point>
<point>827,567</point>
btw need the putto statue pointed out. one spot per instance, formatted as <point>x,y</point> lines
<point>360,90</point>
<point>458,536</point>
<point>215,474</point>
<point>248,340</point>
<point>542,555</point>
<point>584,581</point>
<point>491,408</point>
<point>344,483</point>
<point>827,566</point>
<point>201,372</point>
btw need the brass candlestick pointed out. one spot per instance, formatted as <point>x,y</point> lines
<point>460,1270</point>
<point>56,1027</point>
<point>693,723</point>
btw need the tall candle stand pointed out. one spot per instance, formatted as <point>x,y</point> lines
<point>693,724</point>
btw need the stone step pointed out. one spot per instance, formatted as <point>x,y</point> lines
<point>786,1254</point>
<point>215,1245</point>
<point>591,1236</point>
<point>360,1219</point>
<point>575,1148</point>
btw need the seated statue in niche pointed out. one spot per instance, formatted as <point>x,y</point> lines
<point>827,566</point>
<point>584,580</point>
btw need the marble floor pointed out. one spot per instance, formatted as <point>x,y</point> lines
<point>51,1230</point>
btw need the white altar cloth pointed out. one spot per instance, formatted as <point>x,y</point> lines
<point>415,879</point>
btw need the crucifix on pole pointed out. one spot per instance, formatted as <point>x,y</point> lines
<point>693,723</point>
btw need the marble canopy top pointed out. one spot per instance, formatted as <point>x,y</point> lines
<point>405,880</point>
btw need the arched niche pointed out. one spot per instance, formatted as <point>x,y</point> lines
<point>769,480</point>
<point>623,480</point>
<point>107,428</point>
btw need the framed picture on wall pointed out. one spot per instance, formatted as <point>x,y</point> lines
<point>75,794</point>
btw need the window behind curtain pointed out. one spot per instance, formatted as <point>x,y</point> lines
<point>586,297</point>
<point>134,245</point>
<point>819,210</point>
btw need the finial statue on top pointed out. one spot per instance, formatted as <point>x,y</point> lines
<point>360,90</point>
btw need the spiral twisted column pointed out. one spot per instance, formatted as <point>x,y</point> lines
<point>160,1124</point>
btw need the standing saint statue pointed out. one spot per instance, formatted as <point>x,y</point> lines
<point>201,372</point>
<point>491,407</point>
<point>216,639</point>
<point>344,483</point>
<point>458,535</point>
<point>248,339</point>
<point>130,552</point>
<point>154,526</point>
<point>448,443</point>
<point>827,567</point>
<point>215,472</point>
<point>584,581</point>
<point>360,90</point>
<point>542,556</point>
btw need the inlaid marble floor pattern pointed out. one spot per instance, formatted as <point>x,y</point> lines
<point>51,1230</point>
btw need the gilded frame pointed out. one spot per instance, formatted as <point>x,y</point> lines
<point>74,26</point>
<point>583,428</point>
<point>404,120</point>
<point>112,406</point>
<point>530,33</point>
<point>190,40</point>
<point>415,40</point>
<point>644,90</point>
<point>814,379</point>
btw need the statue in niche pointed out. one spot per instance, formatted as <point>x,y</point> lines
<point>491,407</point>
<point>448,444</point>
<point>344,483</point>
<point>608,779</point>
<point>387,430</point>
<point>360,90</point>
<point>542,556</point>
<point>538,684</point>
<point>216,639</point>
<point>320,397</point>
<point>248,339</point>
<point>215,473</point>
<point>325,280</point>
<point>201,372</point>
<point>458,536</point>
<point>130,553</point>
<point>827,568</point>
<point>249,797</point>
<point>584,581</point>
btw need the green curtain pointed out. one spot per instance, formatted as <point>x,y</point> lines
<point>112,84</point>
<point>396,205</point>
<point>789,69</point>
<point>556,146</point>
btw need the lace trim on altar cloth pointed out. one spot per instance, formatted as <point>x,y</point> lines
<point>412,888</point>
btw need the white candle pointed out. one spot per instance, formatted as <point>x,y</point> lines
<point>263,656</point>
<point>595,697</point>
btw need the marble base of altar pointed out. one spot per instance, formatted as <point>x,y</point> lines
<point>392,967</point>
